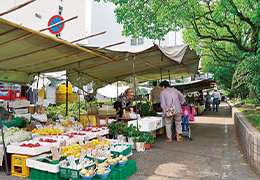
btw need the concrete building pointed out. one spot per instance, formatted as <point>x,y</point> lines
<point>93,17</point>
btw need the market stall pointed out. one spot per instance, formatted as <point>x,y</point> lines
<point>72,152</point>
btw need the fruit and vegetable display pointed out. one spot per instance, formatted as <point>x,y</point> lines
<point>47,131</point>
<point>74,149</point>
<point>47,140</point>
<point>85,172</point>
<point>21,135</point>
<point>30,145</point>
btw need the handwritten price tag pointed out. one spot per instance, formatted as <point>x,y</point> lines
<point>35,135</point>
<point>55,153</point>
<point>39,126</point>
<point>71,160</point>
<point>81,143</point>
<point>13,140</point>
<point>103,139</point>
<point>62,142</point>
<point>86,138</point>
<point>98,146</point>
<point>94,152</point>
<point>88,152</point>
<point>82,155</point>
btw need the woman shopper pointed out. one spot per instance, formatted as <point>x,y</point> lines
<point>171,96</point>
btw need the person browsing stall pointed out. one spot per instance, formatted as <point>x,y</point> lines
<point>155,96</point>
<point>167,101</point>
<point>4,112</point>
<point>124,101</point>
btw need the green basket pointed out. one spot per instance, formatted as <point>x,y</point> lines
<point>68,173</point>
<point>16,122</point>
<point>124,152</point>
<point>43,175</point>
<point>126,171</point>
<point>113,175</point>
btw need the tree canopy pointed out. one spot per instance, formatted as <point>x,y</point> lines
<point>221,31</point>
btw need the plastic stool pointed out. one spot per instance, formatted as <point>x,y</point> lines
<point>18,165</point>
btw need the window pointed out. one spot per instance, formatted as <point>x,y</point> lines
<point>38,15</point>
<point>140,41</point>
<point>135,42</point>
<point>60,10</point>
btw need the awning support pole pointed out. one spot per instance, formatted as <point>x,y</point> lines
<point>83,91</point>
<point>58,23</point>
<point>79,103</point>
<point>116,88</point>
<point>3,139</point>
<point>135,87</point>
<point>67,93</point>
<point>161,73</point>
<point>93,35</point>
<point>115,44</point>
<point>169,77</point>
<point>36,93</point>
<point>17,7</point>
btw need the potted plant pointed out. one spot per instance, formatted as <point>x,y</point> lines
<point>118,129</point>
<point>149,140</point>
<point>132,132</point>
<point>140,142</point>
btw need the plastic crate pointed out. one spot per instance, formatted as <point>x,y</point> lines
<point>124,152</point>
<point>18,165</point>
<point>126,171</point>
<point>16,122</point>
<point>68,173</point>
<point>75,97</point>
<point>62,89</point>
<point>84,119</point>
<point>113,175</point>
<point>44,175</point>
<point>61,97</point>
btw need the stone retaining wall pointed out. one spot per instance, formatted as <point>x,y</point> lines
<point>249,138</point>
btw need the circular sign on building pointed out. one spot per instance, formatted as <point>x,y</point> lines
<point>54,20</point>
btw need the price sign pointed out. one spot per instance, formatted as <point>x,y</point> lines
<point>98,146</point>
<point>55,153</point>
<point>103,139</point>
<point>81,127</point>
<point>72,119</point>
<point>86,138</point>
<point>112,145</point>
<point>13,140</point>
<point>120,138</point>
<point>82,155</point>
<point>63,163</point>
<point>71,160</point>
<point>62,142</point>
<point>39,126</point>
<point>94,152</point>
<point>96,161</point>
<point>88,152</point>
<point>66,129</point>
<point>81,142</point>
<point>98,137</point>
<point>35,135</point>
<point>76,127</point>
<point>105,146</point>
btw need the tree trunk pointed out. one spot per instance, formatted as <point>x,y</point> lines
<point>251,94</point>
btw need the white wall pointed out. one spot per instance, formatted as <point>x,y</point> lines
<point>73,29</point>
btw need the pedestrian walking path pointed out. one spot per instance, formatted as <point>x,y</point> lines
<point>214,153</point>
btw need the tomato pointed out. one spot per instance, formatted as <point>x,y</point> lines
<point>41,140</point>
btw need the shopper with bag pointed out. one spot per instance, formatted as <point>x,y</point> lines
<point>171,101</point>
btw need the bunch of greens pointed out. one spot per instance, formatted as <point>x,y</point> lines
<point>132,131</point>
<point>117,128</point>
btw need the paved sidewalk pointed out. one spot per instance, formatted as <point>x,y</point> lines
<point>214,153</point>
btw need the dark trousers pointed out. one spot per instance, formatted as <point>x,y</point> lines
<point>155,106</point>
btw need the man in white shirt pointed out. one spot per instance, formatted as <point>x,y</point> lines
<point>155,96</point>
<point>216,99</point>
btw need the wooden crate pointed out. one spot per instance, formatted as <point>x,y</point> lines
<point>160,131</point>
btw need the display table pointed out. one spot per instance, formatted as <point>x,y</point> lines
<point>106,117</point>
